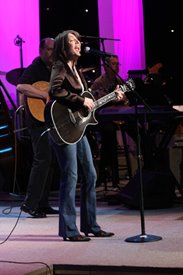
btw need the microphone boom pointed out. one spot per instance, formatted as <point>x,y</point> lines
<point>97,52</point>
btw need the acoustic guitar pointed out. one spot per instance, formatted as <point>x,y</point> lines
<point>36,105</point>
<point>67,126</point>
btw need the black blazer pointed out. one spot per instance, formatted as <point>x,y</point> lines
<point>65,87</point>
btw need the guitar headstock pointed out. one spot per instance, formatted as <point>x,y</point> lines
<point>129,86</point>
<point>155,69</point>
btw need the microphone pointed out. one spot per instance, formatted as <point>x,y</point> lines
<point>18,41</point>
<point>97,52</point>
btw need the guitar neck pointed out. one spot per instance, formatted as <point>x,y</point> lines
<point>129,86</point>
<point>104,100</point>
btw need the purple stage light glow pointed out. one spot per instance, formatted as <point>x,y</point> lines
<point>123,19</point>
<point>18,17</point>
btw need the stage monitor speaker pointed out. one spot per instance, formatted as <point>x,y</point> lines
<point>158,190</point>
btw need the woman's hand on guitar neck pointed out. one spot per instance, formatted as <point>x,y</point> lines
<point>120,95</point>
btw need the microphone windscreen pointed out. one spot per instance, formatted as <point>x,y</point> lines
<point>87,49</point>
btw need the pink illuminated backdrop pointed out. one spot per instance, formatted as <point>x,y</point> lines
<point>120,19</point>
<point>123,19</point>
<point>18,17</point>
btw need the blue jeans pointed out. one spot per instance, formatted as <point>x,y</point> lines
<point>73,158</point>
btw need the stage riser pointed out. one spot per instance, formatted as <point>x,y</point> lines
<point>106,270</point>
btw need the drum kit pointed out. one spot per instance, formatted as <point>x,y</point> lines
<point>13,76</point>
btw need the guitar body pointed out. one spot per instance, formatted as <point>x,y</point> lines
<point>67,126</point>
<point>36,105</point>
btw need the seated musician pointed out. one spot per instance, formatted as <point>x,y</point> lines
<point>154,82</point>
<point>103,85</point>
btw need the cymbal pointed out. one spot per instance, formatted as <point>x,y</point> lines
<point>84,70</point>
<point>13,76</point>
<point>2,73</point>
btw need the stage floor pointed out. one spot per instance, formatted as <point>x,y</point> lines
<point>34,243</point>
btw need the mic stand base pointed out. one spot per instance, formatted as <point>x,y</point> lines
<point>143,238</point>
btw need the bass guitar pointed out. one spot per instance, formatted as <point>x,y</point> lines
<point>67,126</point>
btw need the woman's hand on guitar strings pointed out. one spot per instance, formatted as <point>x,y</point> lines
<point>89,103</point>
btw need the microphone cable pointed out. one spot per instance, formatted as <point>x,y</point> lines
<point>21,107</point>
<point>8,210</point>
<point>13,226</point>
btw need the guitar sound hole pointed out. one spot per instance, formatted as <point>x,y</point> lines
<point>84,112</point>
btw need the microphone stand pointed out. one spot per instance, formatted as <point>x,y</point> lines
<point>143,237</point>
<point>99,38</point>
<point>18,41</point>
